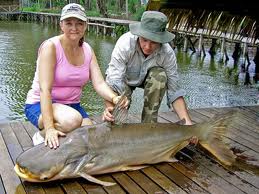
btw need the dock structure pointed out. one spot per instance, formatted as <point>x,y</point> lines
<point>104,26</point>
<point>195,172</point>
<point>116,27</point>
<point>9,5</point>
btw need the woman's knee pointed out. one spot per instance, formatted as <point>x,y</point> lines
<point>70,123</point>
<point>66,117</point>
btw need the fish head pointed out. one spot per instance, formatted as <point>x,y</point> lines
<point>30,176</point>
<point>42,164</point>
<point>39,164</point>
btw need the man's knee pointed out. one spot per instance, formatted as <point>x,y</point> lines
<point>157,75</point>
<point>156,80</point>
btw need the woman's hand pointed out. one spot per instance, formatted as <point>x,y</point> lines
<point>123,100</point>
<point>107,114</point>
<point>123,103</point>
<point>51,137</point>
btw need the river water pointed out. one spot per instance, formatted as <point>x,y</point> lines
<point>208,82</point>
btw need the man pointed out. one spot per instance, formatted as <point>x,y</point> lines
<point>143,58</point>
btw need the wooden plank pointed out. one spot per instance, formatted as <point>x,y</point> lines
<point>169,116</point>
<point>2,190</point>
<point>33,188</point>
<point>22,135</point>
<point>20,189</point>
<point>11,142</point>
<point>15,149</point>
<point>162,180</point>
<point>9,178</point>
<point>127,183</point>
<point>178,178</point>
<point>206,178</point>
<point>72,187</point>
<point>51,187</point>
<point>144,182</point>
<point>101,25</point>
<point>253,109</point>
<point>29,128</point>
<point>247,116</point>
<point>205,112</point>
<point>112,189</point>
<point>91,188</point>
<point>197,117</point>
<point>216,168</point>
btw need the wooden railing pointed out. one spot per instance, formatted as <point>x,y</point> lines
<point>9,8</point>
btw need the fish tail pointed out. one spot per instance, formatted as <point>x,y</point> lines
<point>212,138</point>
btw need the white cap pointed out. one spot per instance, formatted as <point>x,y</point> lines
<point>73,10</point>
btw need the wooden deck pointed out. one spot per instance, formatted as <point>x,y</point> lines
<point>195,173</point>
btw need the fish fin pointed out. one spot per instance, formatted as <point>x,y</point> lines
<point>172,159</point>
<point>85,160</point>
<point>219,151</point>
<point>135,167</point>
<point>212,138</point>
<point>95,180</point>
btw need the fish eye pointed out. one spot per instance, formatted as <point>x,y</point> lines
<point>44,177</point>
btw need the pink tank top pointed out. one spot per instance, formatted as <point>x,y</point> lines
<point>68,79</point>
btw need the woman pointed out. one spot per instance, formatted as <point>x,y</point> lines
<point>65,64</point>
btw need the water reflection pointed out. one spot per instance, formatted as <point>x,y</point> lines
<point>204,78</point>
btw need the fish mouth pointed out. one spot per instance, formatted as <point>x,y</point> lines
<point>25,174</point>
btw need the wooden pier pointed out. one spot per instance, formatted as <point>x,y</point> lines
<point>195,172</point>
<point>104,26</point>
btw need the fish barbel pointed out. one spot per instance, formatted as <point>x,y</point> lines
<point>105,148</point>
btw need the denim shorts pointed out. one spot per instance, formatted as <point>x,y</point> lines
<point>33,111</point>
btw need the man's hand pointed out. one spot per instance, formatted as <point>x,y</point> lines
<point>194,140</point>
<point>51,137</point>
<point>123,100</point>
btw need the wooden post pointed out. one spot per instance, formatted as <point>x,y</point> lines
<point>104,30</point>
<point>127,9</point>
<point>200,45</point>
<point>244,49</point>
<point>185,44</point>
<point>222,48</point>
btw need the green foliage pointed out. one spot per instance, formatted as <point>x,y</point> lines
<point>34,8</point>
<point>119,30</point>
<point>133,6</point>
<point>93,13</point>
<point>114,8</point>
<point>139,12</point>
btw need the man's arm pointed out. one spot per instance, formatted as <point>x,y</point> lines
<point>182,112</point>
<point>115,73</point>
<point>180,108</point>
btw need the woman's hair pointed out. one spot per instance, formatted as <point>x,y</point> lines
<point>81,41</point>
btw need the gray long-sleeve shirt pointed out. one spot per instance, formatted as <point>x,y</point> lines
<point>129,66</point>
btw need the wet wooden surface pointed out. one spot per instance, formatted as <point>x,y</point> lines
<point>195,172</point>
